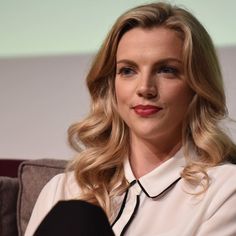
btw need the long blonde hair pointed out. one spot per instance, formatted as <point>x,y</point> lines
<point>102,138</point>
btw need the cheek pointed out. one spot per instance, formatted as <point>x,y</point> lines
<point>185,96</point>
<point>118,93</point>
<point>178,96</point>
<point>123,100</point>
<point>122,91</point>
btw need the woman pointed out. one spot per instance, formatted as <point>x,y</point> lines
<point>151,152</point>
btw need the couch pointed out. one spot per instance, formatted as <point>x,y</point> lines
<point>18,192</point>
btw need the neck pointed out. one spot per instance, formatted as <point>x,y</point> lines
<point>146,156</point>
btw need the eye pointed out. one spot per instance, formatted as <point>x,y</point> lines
<point>126,71</point>
<point>168,70</point>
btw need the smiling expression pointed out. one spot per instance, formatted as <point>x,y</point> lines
<point>151,91</point>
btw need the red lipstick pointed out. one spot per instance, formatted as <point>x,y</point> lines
<point>146,110</point>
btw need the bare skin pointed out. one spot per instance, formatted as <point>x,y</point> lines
<point>152,94</point>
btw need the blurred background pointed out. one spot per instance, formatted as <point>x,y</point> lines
<point>46,48</point>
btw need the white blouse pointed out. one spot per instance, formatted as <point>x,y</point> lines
<point>160,203</point>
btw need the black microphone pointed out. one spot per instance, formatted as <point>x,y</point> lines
<point>75,218</point>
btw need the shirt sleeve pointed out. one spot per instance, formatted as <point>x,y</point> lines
<point>222,212</point>
<point>49,196</point>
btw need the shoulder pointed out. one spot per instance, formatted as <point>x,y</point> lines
<point>62,187</point>
<point>220,215</point>
<point>223,176</point>
<point>222,188</point>
<point>225,172</point>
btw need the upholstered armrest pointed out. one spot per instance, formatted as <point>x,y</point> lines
<point>33,175</point>
<point>8,199</point>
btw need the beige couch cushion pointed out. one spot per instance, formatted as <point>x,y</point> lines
<point>33,175</point>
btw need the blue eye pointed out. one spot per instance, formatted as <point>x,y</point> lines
<point>168,70</point>
<point>126,71</point>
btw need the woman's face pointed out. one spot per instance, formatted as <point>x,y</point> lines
<point>151,91</point>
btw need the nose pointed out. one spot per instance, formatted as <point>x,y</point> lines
<point>147,87</point>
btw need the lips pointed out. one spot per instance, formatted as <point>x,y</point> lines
<point>146,110</point>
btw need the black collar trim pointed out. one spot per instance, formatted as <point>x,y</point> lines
<point>164,191</point>
<point>132,216</point>
<point>123,203</point>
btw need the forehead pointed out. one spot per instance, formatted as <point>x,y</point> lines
<point>159,41</point>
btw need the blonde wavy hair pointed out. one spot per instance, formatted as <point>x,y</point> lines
<point>102,138</point>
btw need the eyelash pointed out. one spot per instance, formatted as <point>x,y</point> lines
<point>165,69</point>
<point>125,71</point>
<point>168,70</point>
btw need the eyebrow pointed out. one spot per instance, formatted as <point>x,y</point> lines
<point>159,62</point>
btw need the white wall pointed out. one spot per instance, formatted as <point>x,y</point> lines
<point>227,56</point>
<point>52,27</point>
<point>40,98</point>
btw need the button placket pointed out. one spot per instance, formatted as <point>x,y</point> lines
<point>130,207</point>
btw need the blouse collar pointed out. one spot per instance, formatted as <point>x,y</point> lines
<point>161,178</point>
